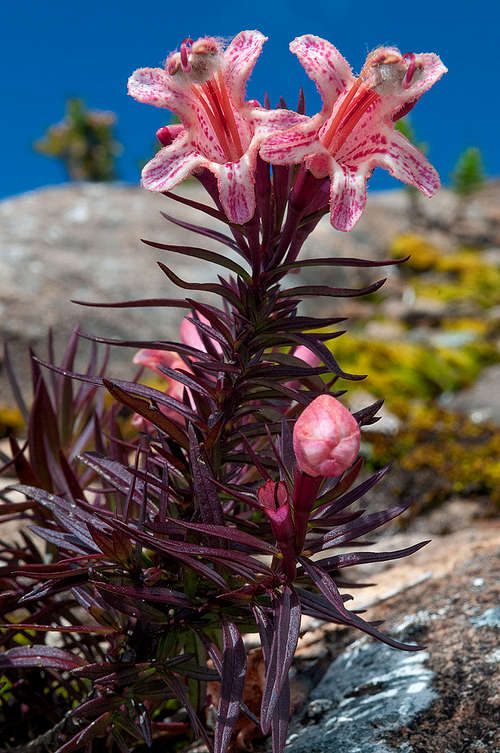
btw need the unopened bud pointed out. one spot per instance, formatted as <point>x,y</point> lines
<point>167,134</point>
<point>326,438</point>
<point>275,500</point>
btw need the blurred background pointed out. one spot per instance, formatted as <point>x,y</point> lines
<point>75,141</point>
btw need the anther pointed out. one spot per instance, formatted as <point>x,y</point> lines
<point>186,65</point>
<point>406,82</point>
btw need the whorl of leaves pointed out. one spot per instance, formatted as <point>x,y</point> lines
<point>147,559</point>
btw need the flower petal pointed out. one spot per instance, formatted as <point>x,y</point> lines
<point>270,121</point>
<point>239,60</point>
<point>155,87</point>
<point>150,85</point>
<point>407,163</point>
<point>171,165</point>
<point>325,65</point>
<point>292,146</point>
<point>403,79</point>
<point>235,182</point>
<point>347,196</point>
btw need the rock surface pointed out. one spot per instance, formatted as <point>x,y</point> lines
<point>481,401</point>
<point>81,241</point>
<point>445,699</point>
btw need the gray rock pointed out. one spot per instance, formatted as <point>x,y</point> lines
<point>367,692</point>
<point>490,618</point>
<point>481,401</point>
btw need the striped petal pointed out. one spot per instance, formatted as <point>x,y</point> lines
<point>292,146</point>
<point>235,182</point>
<point>154,86</point>
<point>239,60</point>
<point>347,197</point>
<point>325,65</point>
<point>408,164</point>
<point>171,165</point>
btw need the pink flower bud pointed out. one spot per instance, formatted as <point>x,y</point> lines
<point>326,438</point>
<point>167,134</point>
<point>276,503</point>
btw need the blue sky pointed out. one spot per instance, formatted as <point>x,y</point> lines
<point>56,49</point>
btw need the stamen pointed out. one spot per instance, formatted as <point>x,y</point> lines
<point>231,121</point>
<point>214,120</point>
<point>361,106</point>
<point>186,65</point>
<point>406,82</point>
<point>328,136</point>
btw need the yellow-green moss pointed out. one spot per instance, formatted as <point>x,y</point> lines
<point>465,277</point>
<point>11,420</point>
<point>448,276</point>
<point>401,371</point>
<point>457,455</point>
<point>423,255</point>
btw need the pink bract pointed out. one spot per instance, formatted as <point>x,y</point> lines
<point>354,132</point>
<point>326,438</point>
<point>205,86</point>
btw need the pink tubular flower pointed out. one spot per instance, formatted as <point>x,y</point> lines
<point>326,438</point>
<point>205,86</point>
<point>354,132</point>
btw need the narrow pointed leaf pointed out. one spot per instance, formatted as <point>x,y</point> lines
<point>286,635</point>
<point>205,254</point>
<point>232,682</point>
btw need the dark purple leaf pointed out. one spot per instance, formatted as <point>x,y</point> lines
<point>197,205</point>
<point>349,559</point>
<point>142,303</point>
<point>324,290</point>
<point>153,415</point>
<point>205,254</point>
<point>205,231</point>
<point>281,717</point>
<point>366,416</point>
<point>232,682</point>
<point>85,736</point>
<point>114,473</point>
<point>43,657</point>
<point>340,503</point>
<point>153,593</point>
<point>299,323</point>
<point>230,533</point>
<point>367,523</point>
<point>207,287</point>
<point>286,635</point>
<point>205,491</point>
<point>334,605</point>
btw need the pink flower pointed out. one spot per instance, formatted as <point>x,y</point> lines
<point>205,86</point>
<point>155,359</point>
<point>354,132</point>
<point>326,438</point>
<point>306,354</point>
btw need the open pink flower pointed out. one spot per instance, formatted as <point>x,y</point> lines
<point>354,132</point>
<point>205,86</point>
